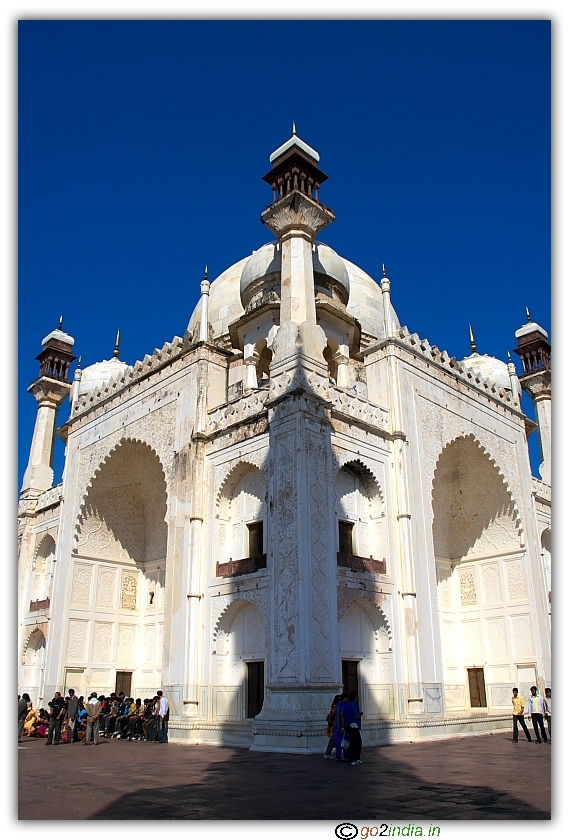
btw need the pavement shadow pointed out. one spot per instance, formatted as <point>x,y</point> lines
<point>261,786</point>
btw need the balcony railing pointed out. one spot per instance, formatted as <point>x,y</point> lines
<point>241,567</point>
<point>39,605</point>
<point>360,564</point>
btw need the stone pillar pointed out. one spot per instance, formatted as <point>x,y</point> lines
<point>49,393</point>
<point>385,286</point>
<point>250,360</point>
<point>302,656</point>
<point>341,358</point>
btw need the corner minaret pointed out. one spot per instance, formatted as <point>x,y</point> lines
<point>534,350</point>
<point>296,217</point>
<point>50,390</point>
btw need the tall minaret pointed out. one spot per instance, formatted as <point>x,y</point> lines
<point>296,217</point>
<point>534,350</point>
<point>50,390</point>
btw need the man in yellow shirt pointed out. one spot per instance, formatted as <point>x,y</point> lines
<point>518,716</point>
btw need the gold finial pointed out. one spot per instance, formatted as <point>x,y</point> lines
<point>60,325</point>
<point>472,340</point>
<point>79,363</point>
<point>384,270</point>
<point>117,345</point>
<point>294,130</point>
<point>528,318</point>
<point>206,273</point>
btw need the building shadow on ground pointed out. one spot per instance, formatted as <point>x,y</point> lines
<point>261,786</point>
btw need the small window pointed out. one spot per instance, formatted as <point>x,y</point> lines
<point>255,539</point>
<point>345,537</point>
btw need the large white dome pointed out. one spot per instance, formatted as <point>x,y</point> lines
<point>490,368</point>
<point>230,289</point>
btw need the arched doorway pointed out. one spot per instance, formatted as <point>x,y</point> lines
<point>239,663</point>
<point>119,571</point>
<point>481,578</point>
<point>33,663</point>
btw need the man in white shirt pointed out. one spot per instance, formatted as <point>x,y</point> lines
<point>163,712</point>
<point>93,714</point>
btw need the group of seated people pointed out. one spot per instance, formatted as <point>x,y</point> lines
<point>121,717</point>
<point>130,719</point>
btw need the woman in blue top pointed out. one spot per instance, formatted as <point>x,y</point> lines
<point>339,725</point>
<point>352,722</point>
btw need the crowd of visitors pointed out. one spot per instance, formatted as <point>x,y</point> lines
<point>71,719</point>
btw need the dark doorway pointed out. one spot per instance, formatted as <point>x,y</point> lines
<point>255,539</point>
<point>123,682</point>
<point>477,694</point>
<point>349,675</point>
<point>255,688</point>
<point>345,537</point>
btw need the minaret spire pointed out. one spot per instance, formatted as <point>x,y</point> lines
<point>472,340</point>
<point>117,345</point>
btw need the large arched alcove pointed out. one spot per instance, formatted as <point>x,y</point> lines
<point>42,568</point>
<point>239,659</point>
<point>480,569</point>
<point>33,663</point>
<point>119,572</point>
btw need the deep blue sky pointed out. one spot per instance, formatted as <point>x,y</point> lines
<point>142,144</point>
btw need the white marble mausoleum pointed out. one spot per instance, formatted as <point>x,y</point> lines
<point>297,494</point>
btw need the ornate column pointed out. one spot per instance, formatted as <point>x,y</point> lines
<point>534,350</point>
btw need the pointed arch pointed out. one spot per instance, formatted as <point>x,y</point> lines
<point>34,645</point>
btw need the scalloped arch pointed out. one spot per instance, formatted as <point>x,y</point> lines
<point>231,610</point>
<point>31,633</point>
<point>471,437</point>
<point>45,540</point>
<point>372,610</point>
<point>363,468</point>
<point>102,464</point>
<point>342,458</point>
<point>234,476</point>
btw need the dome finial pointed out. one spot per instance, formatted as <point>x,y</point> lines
<point>79,363</point>
<point>472,340</point>
<point>117,345</point>
<point>294,129</point>
<point>60,325</point>
<point>384,274</point>
<point>509,355</point>
<point>206,273</point>
<point>528,318</point>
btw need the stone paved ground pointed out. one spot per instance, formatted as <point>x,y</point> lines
<point>474,778</point>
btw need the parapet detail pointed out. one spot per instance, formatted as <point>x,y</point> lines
<point>450,363</point>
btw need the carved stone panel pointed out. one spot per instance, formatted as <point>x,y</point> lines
<point>126,643</point>
<point>516,580</point>
<point>491,584</point>
<point>316,459</point>
<point>149,637</point>
<point>102,634</point>
<point>106,582</point>
<point>471,632</point>
<point>76,640</point>
<point>467,587</point>
<point>81,587</point>
<point>497,638</point>
<point>522,636</point>
<point>129,590</point>
<point>286,642</point>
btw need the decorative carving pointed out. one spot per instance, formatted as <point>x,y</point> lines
<point>228,475</point>
<point>346,595</point>
<point>491,584</point>
<point>516,580</point>
<point>296,211</point>
<point>385,671</point>
<point>106,581</point>
<point>76,640</point>
<point>319,597</point>
<point>444,586</point>
<point>102,633</point>
<point>81,588</point>
<point>237,412</point>
<point>522,635</point>
<point>467,587</point>
<point>149,635</point>
<point>286,573</point>
<point>126,642</point>
<point>129,590</point>
<point>497,637</point>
